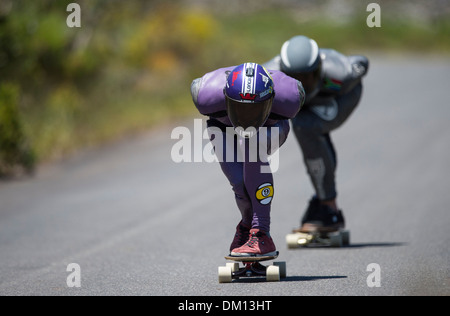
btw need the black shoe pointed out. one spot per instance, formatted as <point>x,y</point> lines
<point>321,218</point>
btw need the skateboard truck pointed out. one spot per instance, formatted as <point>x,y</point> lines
<point>251,268</point>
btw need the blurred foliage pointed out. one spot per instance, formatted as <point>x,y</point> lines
<point>15,152</point>
<point>130,65</point>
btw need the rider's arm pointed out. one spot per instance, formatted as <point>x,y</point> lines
<point>360,66</point>
<point>207,93</point>
<point>273,64</point>
<point>289,96</point>
<point>341,73</point>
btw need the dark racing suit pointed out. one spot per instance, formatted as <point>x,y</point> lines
<point>337,96</point>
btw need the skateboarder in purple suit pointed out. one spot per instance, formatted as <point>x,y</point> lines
<point>241,102</point>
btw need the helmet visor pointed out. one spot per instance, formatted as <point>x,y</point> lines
<point>248,114</point>
<point>309,80</point>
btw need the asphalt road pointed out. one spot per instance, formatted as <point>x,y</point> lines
<point>136,223</point>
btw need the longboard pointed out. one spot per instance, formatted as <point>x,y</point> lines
<point>252,268</point>
<point>318,239</point>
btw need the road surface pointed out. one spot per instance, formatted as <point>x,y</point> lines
<point>136,223</point>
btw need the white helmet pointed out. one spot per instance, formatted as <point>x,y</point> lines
<point>300,59</point>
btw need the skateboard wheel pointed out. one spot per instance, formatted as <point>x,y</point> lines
<point>225,275</point>
<point>304,240</point>
<point>233,265</point>
<point>298,240</point>
<point>335,239</point>
<point>273,273</point>
<point>345,237</point>
<point>292,241</point>
<point>282,266</point>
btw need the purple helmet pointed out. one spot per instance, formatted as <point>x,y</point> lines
<point>249,94</point>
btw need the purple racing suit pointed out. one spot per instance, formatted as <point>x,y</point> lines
<point>253,188</point>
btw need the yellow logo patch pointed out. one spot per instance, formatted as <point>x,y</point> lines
<point>264,194</point>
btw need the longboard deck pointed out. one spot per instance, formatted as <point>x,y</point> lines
<point>251,258</point>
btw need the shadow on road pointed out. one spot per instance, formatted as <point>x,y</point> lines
<point>356,245</point>
<point>312,278</point>
<point>291,279</point>
<point>376,244</point>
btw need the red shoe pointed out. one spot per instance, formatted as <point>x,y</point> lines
<point>241,236</point>
<point>258,245</point>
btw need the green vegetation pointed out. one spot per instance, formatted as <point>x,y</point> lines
<point>12,138</point>
<point>130,65</point>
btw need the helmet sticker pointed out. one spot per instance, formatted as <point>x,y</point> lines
<point>249,82</point>
<point>265,79</point>
<point>248,96</point>
<point>235,77</point>
<point>264,93</point>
